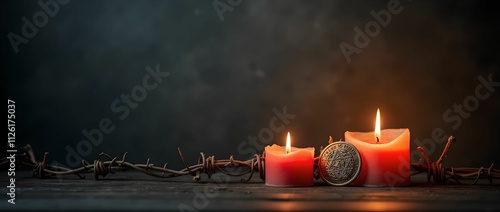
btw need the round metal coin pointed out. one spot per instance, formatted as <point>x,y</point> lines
<point>339,163</point>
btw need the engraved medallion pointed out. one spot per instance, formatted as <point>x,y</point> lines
<point>339,163</point>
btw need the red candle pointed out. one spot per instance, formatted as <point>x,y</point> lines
<point>289,166</point>
<point>385,156</point>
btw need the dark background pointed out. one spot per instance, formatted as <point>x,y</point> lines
<point>227,76</point>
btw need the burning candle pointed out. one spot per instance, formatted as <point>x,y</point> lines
<point>289,166</point>
<point>385,156</point>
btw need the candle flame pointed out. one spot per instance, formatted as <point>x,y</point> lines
<point>288,146</point>
<point>377,126</point>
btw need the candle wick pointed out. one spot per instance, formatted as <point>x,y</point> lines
<point>377,139</point>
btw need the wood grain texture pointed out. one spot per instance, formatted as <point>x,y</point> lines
<point>131,191</point>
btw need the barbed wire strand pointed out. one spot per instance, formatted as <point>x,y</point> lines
<point>439,174</point>
<point>105,164</point>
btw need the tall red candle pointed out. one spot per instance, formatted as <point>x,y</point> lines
<point>289,166</point>
<point>385,156</point>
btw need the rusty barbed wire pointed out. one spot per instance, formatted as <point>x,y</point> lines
<point>106,164</point>
<point>439,174</point>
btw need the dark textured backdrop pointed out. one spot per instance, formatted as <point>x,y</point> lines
<point>226,76</point>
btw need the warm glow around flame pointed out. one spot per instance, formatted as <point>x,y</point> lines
<point>377,126</point>
<point>288,146</point>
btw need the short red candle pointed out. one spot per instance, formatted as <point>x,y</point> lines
<point>294,168</point>
<point>385,162</point>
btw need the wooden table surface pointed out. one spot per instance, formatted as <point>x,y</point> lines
<point>133,191</point>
